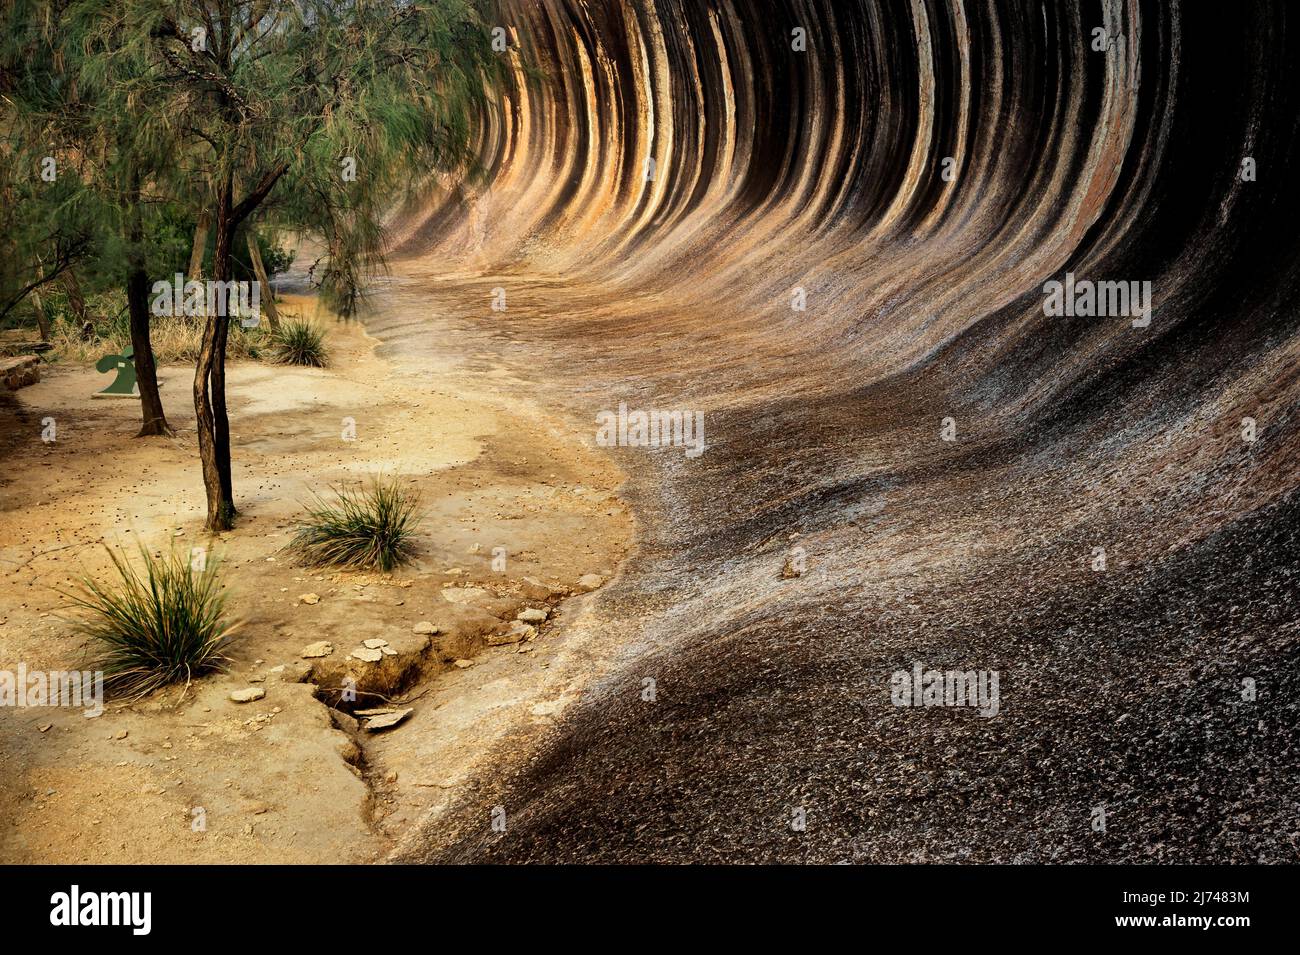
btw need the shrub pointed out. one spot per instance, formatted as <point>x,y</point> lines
<point>365,527</point>
<point>300,342</point>
<point>165,625</point>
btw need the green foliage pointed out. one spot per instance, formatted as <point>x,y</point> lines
<point>275,258</point>
<point>309,91</point>
<point>365,527</point>
<point>154,628</point>
<point>314,118</point>
<point>299,342</point>
<point>81,95</point>
<point>150,106</point>
<point>45,227</point>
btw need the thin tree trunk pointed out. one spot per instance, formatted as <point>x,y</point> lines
<point>146,372</point>
<point>154,421</point>
<point>137,303</point>
<point>210,383</point>
<point>268,299</point>
<point>42,320</point>
<point>195,272</point>
<point>210,370</point>
<point>218,511</point>
<point>75,299</point>
<point>220,418</point>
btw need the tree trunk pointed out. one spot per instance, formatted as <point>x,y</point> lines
<point>76,300</point>
<point>210,383</point>
<point>210,370</point>
<point>42,320</point>
<point>268,299</point>
<point>146,372</point>
<point>220,418</point>
<point>137,303</point>
<point>200,246</point>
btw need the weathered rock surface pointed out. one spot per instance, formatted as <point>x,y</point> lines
<point>841,256</point>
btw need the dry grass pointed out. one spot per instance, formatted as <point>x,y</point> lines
<point>174,340</point>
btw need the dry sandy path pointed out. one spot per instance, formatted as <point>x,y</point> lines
<point>278,780</point>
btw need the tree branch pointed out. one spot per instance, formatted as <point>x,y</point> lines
<point>251,201</point>
<point>63,262</point>
<point>197,71</point>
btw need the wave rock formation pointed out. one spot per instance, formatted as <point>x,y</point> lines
<point>828,225</point>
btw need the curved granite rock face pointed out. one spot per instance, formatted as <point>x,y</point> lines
<point>839,255</point>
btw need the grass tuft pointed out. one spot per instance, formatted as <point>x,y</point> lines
<point>300,342</point>
<point>367,526</point>
<point>165,624</point>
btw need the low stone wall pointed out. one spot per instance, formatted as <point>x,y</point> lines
<point>20,371</point>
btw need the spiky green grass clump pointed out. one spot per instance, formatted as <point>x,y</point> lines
<point>162,624</point>
<point>300,342</point>
<point>366,526</point>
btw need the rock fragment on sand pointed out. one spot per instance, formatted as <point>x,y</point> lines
<point>377,720</point>
<point>321,648</point>
<point>589,582</point>
<point>464,664</point>
<point>293,672</point>
<point>309,598</point>
<point>534,589</point>
<point>517,631</point>
<point>375,643</point>
<point>367,654</point>
<point>248,694</point>
<point>533,615</point>
<point>424,627</point>
<point>465,595</point>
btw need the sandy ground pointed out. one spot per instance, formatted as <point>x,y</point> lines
<point>191,776</point>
